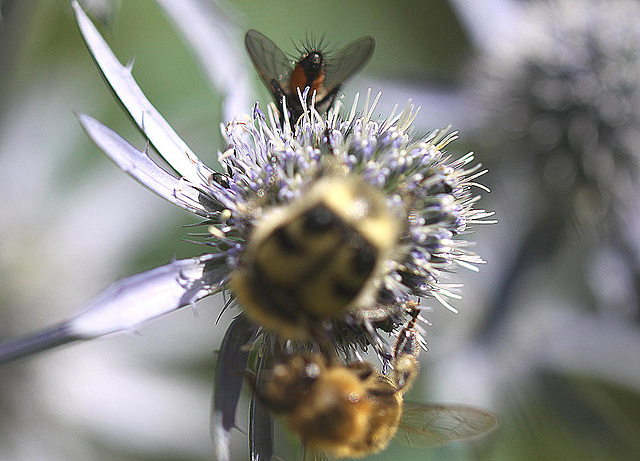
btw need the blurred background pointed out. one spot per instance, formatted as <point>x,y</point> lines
<point>545,92</point>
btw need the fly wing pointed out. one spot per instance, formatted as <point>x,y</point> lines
<point>269,60</point>
<point>347,62</point>
<point>434,425</point>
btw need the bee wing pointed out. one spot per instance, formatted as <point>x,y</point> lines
<point>427,426</point>
<point>269,60</point>
<point>347,62</point>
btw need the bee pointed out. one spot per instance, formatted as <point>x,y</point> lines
<point>316,257</point>
<point>323,75</point>
<point>352,410</point>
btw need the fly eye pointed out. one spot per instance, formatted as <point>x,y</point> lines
<point>312,62</point>
<point>318,220</point>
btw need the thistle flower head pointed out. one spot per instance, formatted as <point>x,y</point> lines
<point>269,168</point>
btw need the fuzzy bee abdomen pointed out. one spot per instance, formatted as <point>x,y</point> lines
<point>313,259</point>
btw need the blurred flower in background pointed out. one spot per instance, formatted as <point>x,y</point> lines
<point>554,90</point>
<point>547,335</point>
